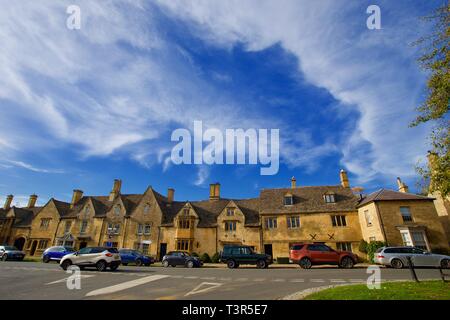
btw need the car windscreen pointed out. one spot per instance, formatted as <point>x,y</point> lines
<point>69,249</point>
<point>297,247</point>
<point>10,248</point>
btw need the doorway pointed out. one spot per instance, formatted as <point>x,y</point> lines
<point>19,243</point>
<point>162,250</point>
<point>33,248</point>
<point>268,249</point>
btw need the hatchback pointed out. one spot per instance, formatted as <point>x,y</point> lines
<point>55,253</point>
<point>11,253</point>
<point>180,258</point>
<point>98,257</point>
<point>396,257</point>
<point>134,256</point>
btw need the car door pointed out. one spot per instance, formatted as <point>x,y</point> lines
<point>328,254</point>
<point>315,253</point>
<point>60,252</point>
<point>81,257</point>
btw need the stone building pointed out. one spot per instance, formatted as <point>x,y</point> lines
<point>271,223</point>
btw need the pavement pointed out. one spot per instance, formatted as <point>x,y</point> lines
<point>35,280</point>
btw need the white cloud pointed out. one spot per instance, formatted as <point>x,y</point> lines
<point>20,164</point>
<point>202,175</point>
<point>362,68</point>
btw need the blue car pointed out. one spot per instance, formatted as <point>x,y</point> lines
<point>56,253</point>
<point>134,256</point>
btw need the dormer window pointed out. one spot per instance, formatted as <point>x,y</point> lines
<point>230,212</point>
<point>329,198</point>
<point>288,200</point>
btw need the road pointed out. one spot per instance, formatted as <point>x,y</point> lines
<point>30,280</point>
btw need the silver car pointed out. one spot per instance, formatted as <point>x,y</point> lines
<point>11,253</point>
<point>396,257</point>
<point>98,257</point>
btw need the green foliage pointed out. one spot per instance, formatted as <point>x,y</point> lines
<point>372,247</point>
<point>436,61</point>
<point>194,254</point>
<point>205,258</point>
<point>363,246</point>
<point>215,258</point>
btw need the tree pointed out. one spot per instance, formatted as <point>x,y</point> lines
<point>436,61</point>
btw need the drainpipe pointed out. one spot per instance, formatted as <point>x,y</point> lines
<point>56,232</point>
<point>381,222</point>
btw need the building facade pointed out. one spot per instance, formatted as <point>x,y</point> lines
<point>270,223</point>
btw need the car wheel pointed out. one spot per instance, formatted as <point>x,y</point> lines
<point>305,263</point>
<point>101,265</point>
<point>5,257</point>
<point>190,264</point>
<point>114,267</point>
<point>138,262</point>
<point>165,264</point>
<point>46,259</point>
<point>445,264</point>
<point>397,264</point>
<point>261,264</point>
<point>347,263</point>
<point>231,264</point>
<point>66,264</point>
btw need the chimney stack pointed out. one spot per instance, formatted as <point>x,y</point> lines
<point>214,191</point>
<point>116,190</point>
<point>77,195</point>
<point>9,199</point>
<point>401,186</point>
<point>344,179</point>
<point>32,201</point>
<point>293,183</point>
<point>170,195</point>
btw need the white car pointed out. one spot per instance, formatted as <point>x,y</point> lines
<point>98,257</point>
<point>396,257</point>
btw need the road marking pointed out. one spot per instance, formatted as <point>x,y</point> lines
<point>259,279</point>
<point>207,278</point>
<point>279,280</point>
<point>337,280</point>
<point>83,276</point>
<point>191,277</point>
<point>177,277</point>
<point>125,285</point>
<point>317,280</point>
<point>356,280</point>
<point>209,286</point>
<point>298,280</point>
<point>224,279</point>
<point>241,279</point>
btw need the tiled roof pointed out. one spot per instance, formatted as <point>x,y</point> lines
<point>307,200</point>
<point>24,216</point>
<point>250,209</point>
<point>208,211</point>
<point>390,195</point>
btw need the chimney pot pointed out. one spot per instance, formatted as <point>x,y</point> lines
<point>401,186</point>
<point>344,179</point>
<point>293,183</point>
<point>77,195</point>
<point>116,189</point>
<point>214,191</point>
<point>170,195</point>
<point>32,201</point>
<point>8,201</point>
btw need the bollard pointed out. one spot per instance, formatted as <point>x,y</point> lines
<point>411,268</point>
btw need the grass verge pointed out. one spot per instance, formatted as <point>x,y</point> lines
<point>426,290</point>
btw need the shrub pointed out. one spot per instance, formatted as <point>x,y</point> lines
<point>363,246</point>
<point>205,258</point>
<point>215,258</point>
<point>372,247</point>
<point>194,254</point>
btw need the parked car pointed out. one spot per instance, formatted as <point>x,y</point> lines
<point>11,253</point>
<point>98,257</point>
<point>134,256</point>
<point>396,257</point>
<point>55,253</point>
<point>234,256</point>
<point>181,258</point>
<point>309,254</point>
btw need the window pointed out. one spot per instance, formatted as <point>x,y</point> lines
<point>230,226</point>
<point>67,226</point>
<point>230,212</point>
<point>145,248</point>
<point>147,229</point>
<point>86,211</point>
<point>113,228</point>
<point>271,223</point>
<point>117,210</point>
<point>68,244</point>
<point>406,214</point>
<point>183,245</point>
<point>45,223</point>
<point>368,218</point>
<point>146,209</point>
<point>84,225</point>
<point>42,244</point>
<point>184,223</point>
<point>288,200</point>
<point>419,240</point>
<point>344,246</point>
<point>338,221</point>
<point>293,222</point>
<point>110,244</point>
<point>140,229</point>
<point>329,198</point>
<point>186,212</point>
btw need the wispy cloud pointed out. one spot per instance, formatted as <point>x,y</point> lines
<point>24,165</point>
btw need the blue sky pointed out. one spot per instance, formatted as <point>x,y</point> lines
<point>83,107</point>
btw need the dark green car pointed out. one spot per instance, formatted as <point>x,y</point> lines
<point>234,256</point>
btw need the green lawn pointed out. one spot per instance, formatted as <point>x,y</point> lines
<point>427,290</point>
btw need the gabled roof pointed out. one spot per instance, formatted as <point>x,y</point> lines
<point>208,211</point>
<point>23,217</point>
<point>390,195</point>
<point>250,209</point>
<point>307,200</point>
<point>62,207</point>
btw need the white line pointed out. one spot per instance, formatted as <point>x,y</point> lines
<point>208,278</point>
<point>191,277</point>
<point>241,279</point>
<point>209,286</point>
<point>298,280</point>
<point>279,280</point>
<point>65,279</point>
<point>317,280</point>
<point>125,285</point>
<point>259,279</point>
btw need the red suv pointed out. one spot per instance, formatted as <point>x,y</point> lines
<point>309,254</point>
